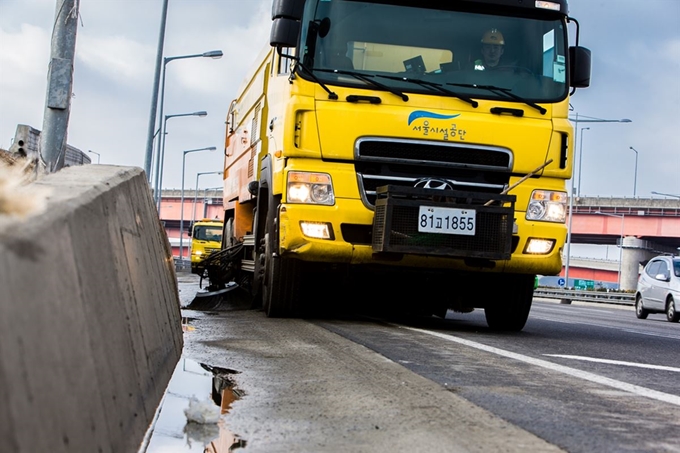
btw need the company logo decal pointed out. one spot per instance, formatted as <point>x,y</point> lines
<point>436,125</point>
<point>417,114</point>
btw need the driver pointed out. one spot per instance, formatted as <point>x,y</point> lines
<point>493,46</point>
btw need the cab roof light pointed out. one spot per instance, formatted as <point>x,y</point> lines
<point>547,5</point>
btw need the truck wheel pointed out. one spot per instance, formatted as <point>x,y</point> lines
<point>282,278</point>
<point>510,309</point>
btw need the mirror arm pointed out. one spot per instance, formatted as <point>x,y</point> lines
<point>279,50</point>
<point>578,28</point>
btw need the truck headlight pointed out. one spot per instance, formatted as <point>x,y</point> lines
<point>538,246</point>
<point>310,188</point>
<point>547,206</point>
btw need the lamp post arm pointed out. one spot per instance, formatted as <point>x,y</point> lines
<point>167,60</point>
<point>193,216</point>
<point>160,160</point>
<point>665,194</point>
<point>210,54</point>
<point>594,120</point>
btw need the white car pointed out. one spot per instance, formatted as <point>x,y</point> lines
<point>658,288</point>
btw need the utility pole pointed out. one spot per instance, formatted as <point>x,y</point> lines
<point>154,95</point>
<point>59,86</point>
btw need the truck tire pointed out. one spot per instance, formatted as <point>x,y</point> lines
<point>510,309</point>
<point>281,283</point>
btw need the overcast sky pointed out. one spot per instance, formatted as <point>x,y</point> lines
<point>636,75</point>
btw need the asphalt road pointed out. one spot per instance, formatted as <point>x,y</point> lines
<point>578,378</point>
<point>586,378</point>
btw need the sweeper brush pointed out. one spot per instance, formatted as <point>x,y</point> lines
<point>222,292</point>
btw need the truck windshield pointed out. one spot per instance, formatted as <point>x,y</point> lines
<point>208,233</point>
<point>525,55</point>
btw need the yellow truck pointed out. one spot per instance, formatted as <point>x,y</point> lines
<point>206,238</point>
<point>419,146</point>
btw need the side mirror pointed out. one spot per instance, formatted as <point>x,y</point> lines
<point>579,67</point>
<point>284,32</point>
<point>663,277</point>
<point>291,9</point>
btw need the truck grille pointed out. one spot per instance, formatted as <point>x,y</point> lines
<point>395,225</point>
<point>409,163</point>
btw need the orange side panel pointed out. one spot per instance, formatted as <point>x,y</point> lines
<point>243,219</point>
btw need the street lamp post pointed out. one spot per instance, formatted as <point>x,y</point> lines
<point>149,147</point>
<point>160,157</point>
<point>623,218</point>
<point>635,179</point>
<point>576,120</point>
<point>193,215</point>
<point>580,159</point>
<point>154,95</point>
<point>181,209</point>
<point>95,152</point>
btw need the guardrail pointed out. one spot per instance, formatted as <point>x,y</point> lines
<point>569,295</point>
<point>182,265</point>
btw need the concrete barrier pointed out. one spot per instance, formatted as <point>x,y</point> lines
<point>90,327</point>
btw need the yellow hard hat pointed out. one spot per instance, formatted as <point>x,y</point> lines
<point>493,36</point>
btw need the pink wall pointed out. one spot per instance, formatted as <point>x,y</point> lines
<point>171,209</point>
<point>592,274</point>
<point>633,225</point>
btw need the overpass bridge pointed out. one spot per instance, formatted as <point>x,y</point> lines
<point>642,227</point>
<point>605,220</point>
<point>645,226</point>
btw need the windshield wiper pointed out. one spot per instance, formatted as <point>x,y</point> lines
<point>368,80</point>
<point>436,86</point>
<point>506,91</point>
<point>331,94</point>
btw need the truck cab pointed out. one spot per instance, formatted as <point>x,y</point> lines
<point>206,238</point>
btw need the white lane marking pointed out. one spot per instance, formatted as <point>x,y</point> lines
<point>653,334</point>
<point>573,321</point>
<point>639,332</point>
<point>635,389</point>
<point>616,362</point>
<point>601,311</point>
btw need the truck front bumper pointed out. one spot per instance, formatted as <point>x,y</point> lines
<point>351,215</point>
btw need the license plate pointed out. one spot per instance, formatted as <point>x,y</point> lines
<point>446,220</point>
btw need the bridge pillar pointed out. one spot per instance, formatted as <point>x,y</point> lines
<point>634,251</point>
